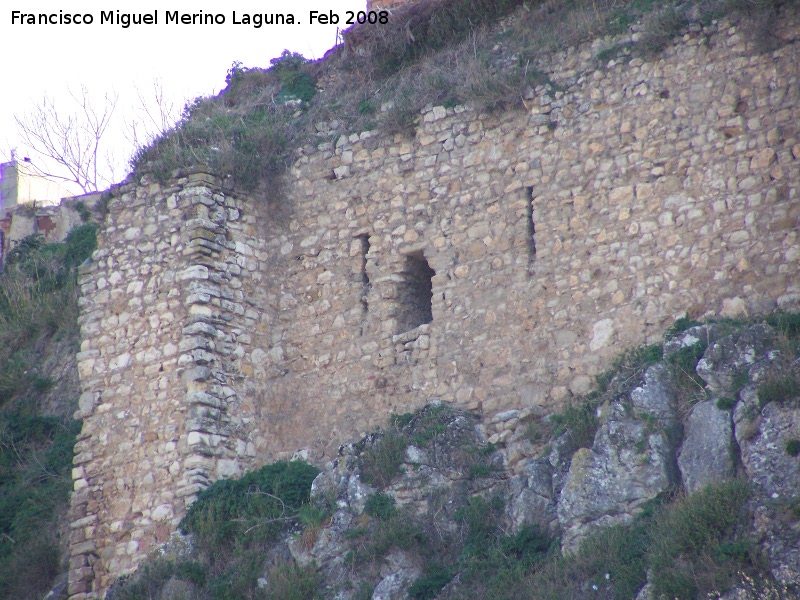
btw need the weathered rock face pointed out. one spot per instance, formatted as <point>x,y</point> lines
<point>631,461</point>
<point>435,479</point>
<point>532,495</point>
<point>707,453</point>
<point>733,355</point>
<point>762,435</point>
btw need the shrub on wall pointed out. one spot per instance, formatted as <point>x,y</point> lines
<point>257,506</point>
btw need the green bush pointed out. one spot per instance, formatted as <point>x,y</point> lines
<point>381,462</point>
<point>629,365</point>
<point>740,379</point>
<point>612,561</point>
<point>778,389</point>
<point>145,583</point>
<point>257,506</point>
<point>38,298</point>
<point>38,304</point>
<point>244,133</point>
<point>234,522</point>
<point>292,582</point>
<point>429,423</point>
<point>726,403</point>
<point>793,447</point>
<point>35,483</point>
<point>28,572</point>
<point>381,506</point>
<point>662,26</point>
<point>35,474</point>
<point>531,541</point>
<point>580,420</point>
<point>410,36</point>
<point>312,516</point>
<point>480,519</point>
<point>480,471</point>
<point>689,386</point>
<point>239,574</point>
<point>696,545</point>
<point>296,83</point>
<point>192,571</point>
<point>786,323</point>
<point>400,421</point>
<point>402,530</point>
<point>81,242</point>
<point>679,326</point>
<point>428,586</point>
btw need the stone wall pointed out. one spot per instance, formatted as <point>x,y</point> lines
<point>558,237</point>
<point>496,261</point>
<point>165,324</point>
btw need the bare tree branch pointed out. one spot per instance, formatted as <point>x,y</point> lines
<point>71,140</point>
<point>155,114</point>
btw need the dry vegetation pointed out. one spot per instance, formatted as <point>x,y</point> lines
<point>481,53</point>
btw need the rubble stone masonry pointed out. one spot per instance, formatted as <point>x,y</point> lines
<point>495,261</point>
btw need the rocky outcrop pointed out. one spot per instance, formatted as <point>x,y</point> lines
<point>731,356</point>
<point>762,435</point>
<point>631,461</point>
<point>707,454</point>
<point>436,476</point>
<point>652,439</point>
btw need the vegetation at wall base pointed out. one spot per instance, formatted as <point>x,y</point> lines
<point>686,547</point>
<point>38,322</point>
<point>779,388</point>
<point>255,507</point>
<point>233,523</point>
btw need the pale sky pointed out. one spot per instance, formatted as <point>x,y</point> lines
<point>188,60</point>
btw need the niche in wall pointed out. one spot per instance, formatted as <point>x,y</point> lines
<point>414,293</point>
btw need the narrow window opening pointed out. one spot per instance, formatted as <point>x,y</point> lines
<point>363,279</point>
<point>415,293</point>
<point>531,225</point>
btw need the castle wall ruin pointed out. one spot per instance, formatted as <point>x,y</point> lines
<point>494,261</point>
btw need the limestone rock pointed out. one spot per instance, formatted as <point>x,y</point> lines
<point>560,457</point>
<point>654,398</point>
<point>646,593</point>
<point>402,572</point>
<point>631,462</point>
<point>731,355</point>
<point>531,492</point>
<point>762,436</point>
<point>700,334</point>
<point>706,454</point>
